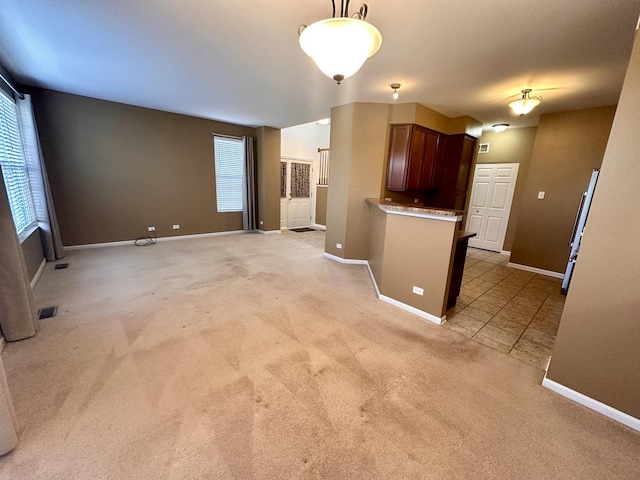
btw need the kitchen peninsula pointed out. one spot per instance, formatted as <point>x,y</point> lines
<point>412,256</point>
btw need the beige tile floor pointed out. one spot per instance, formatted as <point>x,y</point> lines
<point>510,310</point>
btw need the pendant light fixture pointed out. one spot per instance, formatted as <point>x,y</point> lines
<point>340,45</point>
<point>395,87</point>
<point>526,103</point>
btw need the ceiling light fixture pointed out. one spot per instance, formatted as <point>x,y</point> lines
<point>500,127</point>
<point>526,103</point>
<point>340,45</point>
<point>395,87</point>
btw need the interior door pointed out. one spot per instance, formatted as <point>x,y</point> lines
<point>298,193</point>
<point>283,194</point>
<point>490,205</point>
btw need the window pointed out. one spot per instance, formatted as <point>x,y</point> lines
<point>14,167</point>
<point>229,160</point>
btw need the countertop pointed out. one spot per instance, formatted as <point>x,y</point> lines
<point>416,210</point>
<point>465,235</point>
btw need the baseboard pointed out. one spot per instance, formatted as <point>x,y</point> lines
<point>373,280</point>
<point>317,226</point>
<point>384,298</point>
<point>592,404</point>
<point>505,252</point>
<point>404,306</point>
<point>414,310</point>
<point>540,271</point>
<point>38,274</point>
<point>349,261</point>
<point>159,239</point>
<point>269,232</point>
<point>3,342</point>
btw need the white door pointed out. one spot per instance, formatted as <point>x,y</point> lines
<point>490,205</point>
<point>297,202</point>
<point>283,194</point>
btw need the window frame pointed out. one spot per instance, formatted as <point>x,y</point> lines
<point>227,172</point>
<point>12,128</point>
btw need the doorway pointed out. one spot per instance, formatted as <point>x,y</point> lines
<point>490,206</point>
<point>295,193</point>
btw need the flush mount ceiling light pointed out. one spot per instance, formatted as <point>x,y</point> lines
<point>340,45</point>
<point>526,103</point>
<point>395,87</point>
<point>500,127</point>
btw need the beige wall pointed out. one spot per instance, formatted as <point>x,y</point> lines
<point>321,205</point>
<point>115,169</point>
<point>33,253</point>
<point>359,134</point>
<point>514,145</point>
<point>408,251</point>
<point>597,348</point>
<point>268,178</point>
<point>568,146</point>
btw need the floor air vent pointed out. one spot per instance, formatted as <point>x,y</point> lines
<point>60,266</point>
<point>47,312</point>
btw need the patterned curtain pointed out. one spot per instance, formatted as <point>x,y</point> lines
<point>283,179</point>
<point>300,173</point>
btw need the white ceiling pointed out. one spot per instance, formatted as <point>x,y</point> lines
<point>240,61</point>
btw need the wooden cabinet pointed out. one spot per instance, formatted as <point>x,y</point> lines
<point>413,154</point>
<point>455,171</point>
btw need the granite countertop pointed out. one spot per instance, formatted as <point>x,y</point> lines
<point>428,212</point>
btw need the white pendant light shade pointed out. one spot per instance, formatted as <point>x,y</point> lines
<point>340,46</point>
<point>526,103</point>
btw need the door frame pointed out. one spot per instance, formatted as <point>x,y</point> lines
<point>312,183</point>
<point>516,165</point>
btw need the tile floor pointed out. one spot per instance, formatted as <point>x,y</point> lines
<point>510,310</point>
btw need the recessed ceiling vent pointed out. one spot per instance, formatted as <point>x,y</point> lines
<point>47,312</point>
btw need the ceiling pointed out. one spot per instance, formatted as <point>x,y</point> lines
<point>240,62</point>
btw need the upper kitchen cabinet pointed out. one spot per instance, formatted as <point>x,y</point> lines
<point>413,155</point>
<point>456,169</point>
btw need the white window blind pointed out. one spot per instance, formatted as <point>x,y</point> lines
<point>14,167</point>
<point>229,162</point>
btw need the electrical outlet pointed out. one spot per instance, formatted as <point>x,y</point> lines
<point>176,227</point>
<point>151,229</point>
<point>540,195</point>
<point>339,246</point>
<point>261,222</point>
<point>416,200</point>
<point>418,290</point>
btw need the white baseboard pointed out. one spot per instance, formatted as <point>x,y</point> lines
<point>159,239</point>
<point>414,310</point>
<point>592,404</point>
<point>269,232</point>
<point>38,274</point>
<point>527,268</point>
<point>349,261</point>
<point>404,306</point>
<point>384,298</point>
<point>373,280</point>
<point>3,342</point>
<point>317,226</point>
<point>505,252</point>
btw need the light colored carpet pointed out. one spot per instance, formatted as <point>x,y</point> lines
<point>254,357</point>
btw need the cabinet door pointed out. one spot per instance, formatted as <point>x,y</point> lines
<point>428,175</point>
<point>416,157</point>
<point>398,157</point>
